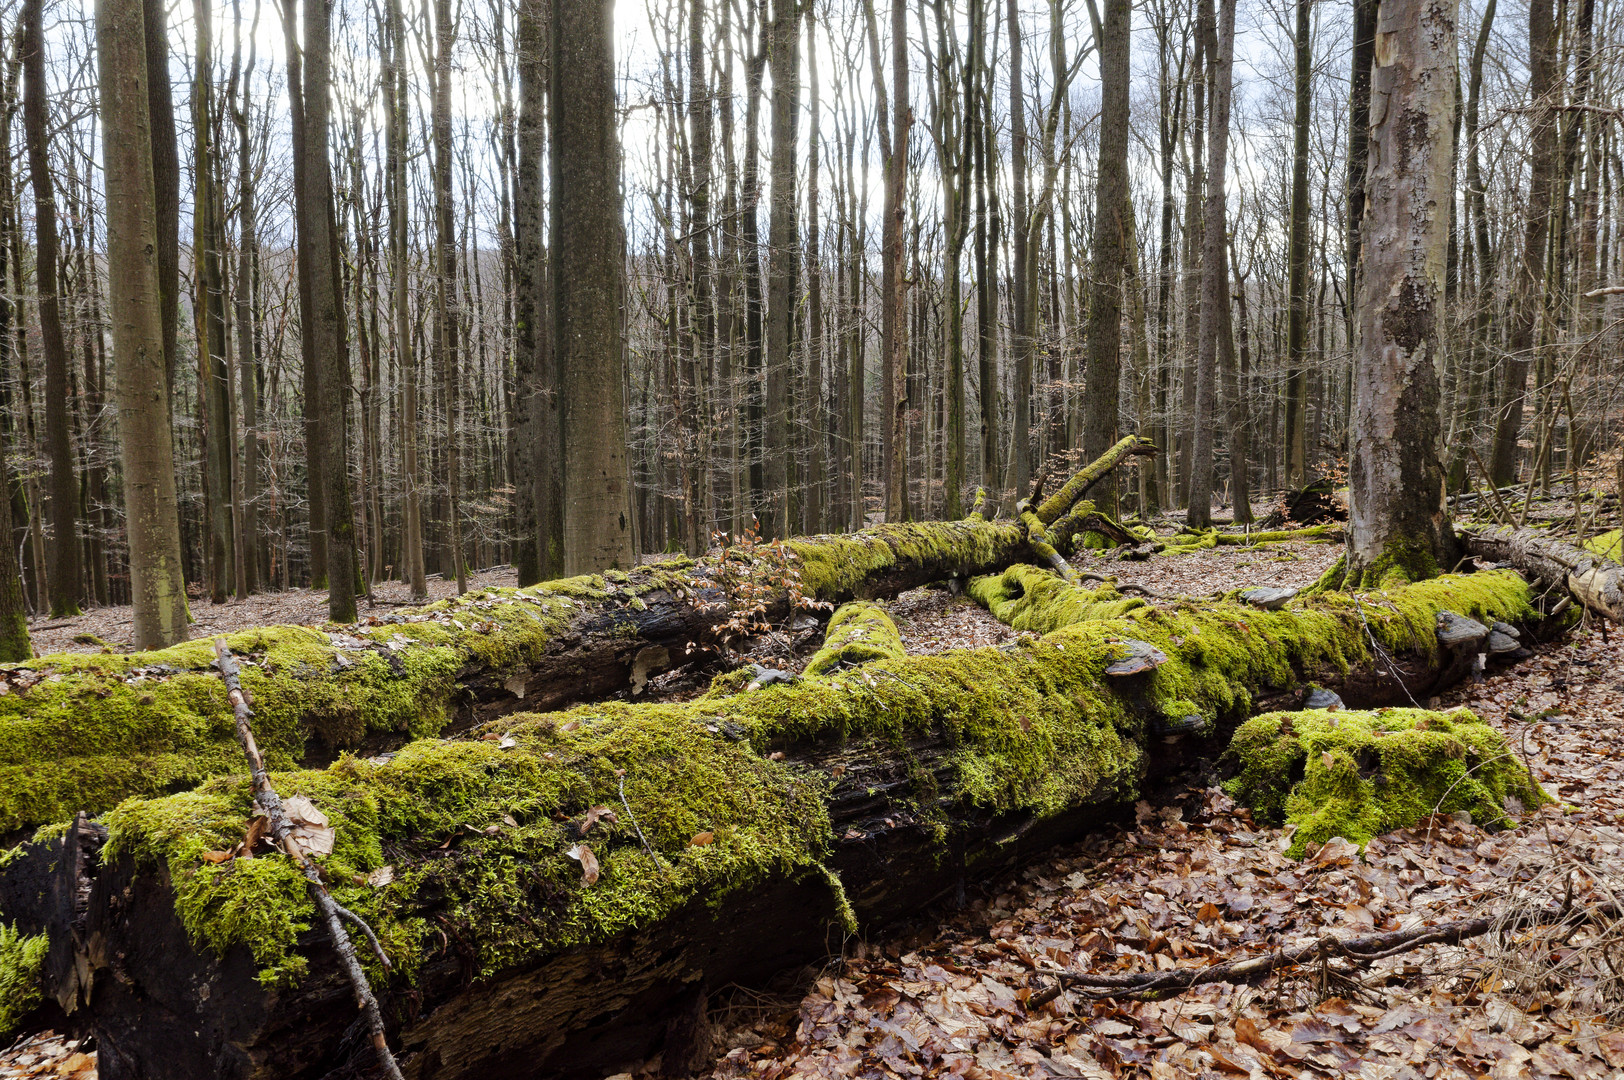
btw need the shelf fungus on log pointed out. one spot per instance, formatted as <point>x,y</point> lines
<point>730,837</point>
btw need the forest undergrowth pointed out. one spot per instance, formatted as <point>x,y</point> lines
<point>1195,880</point>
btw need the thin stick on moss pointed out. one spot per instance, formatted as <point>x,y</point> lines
<point>282,829</point>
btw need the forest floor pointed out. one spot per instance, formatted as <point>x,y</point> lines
<point>1194,879</point>
<point>109,627</point>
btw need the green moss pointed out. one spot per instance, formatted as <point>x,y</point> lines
<point>1609,545</point>
<point>1031,730</point>
<point>1221,654</point>
<point>1027,598</point>
<point>858,632</point>
<point>1360,774</point>
<point>837,567</point>
<point>95,729</point>
<point>21,957</point>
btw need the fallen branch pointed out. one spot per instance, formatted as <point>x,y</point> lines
<point>281,829</point>
<point>1363,948</point>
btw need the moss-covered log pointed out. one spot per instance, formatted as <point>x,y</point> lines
<point>81,732</point>
<point>1376,648</point>
<point>858,632</point>
<point>743,831</point>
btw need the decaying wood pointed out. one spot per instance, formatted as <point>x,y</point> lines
<point>491,653</point>
<point>333,915</point>
<point>1592,581</point>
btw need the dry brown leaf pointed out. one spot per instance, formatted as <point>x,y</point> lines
<point>217,856</point>
<point>702,839</point>
<point>589,862</point>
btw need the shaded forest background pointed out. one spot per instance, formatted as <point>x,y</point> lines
<point>762,375</point>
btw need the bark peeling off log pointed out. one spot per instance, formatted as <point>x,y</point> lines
<point>1595,582</point>
<point>82,732</point>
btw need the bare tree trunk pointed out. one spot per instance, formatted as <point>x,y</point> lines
<point>1215,269</point>
<point>1020,466</point>
<point>208,311</point>
<point>1528,291</point>
<point>1111,233</point>
<point>539,476</point>
<point>399,226</point>
<point>588,288</point>
<point>1398,523</point>
<point>816,421</point>
<point>248,358</point>
<point>66,587</point>
<point>782,254</point>
<point>133,251</point>
<point>1296,433</point>
<point>447,309</point>
<point>324,322</point>
<point>703,319</point>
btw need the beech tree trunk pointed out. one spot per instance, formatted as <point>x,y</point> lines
<point>135,255</point>
<point>588,288</point>
<point>1398,519</point>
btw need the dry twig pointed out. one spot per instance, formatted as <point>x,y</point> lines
<point>333,915</point>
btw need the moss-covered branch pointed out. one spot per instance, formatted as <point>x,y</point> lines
<point>858,632</point>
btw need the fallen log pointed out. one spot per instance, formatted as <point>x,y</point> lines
<point>714,842</point>
<point>1595,582</point>
<point>82,732</point>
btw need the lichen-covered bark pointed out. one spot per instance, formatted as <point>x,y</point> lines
<point>1398,525</point>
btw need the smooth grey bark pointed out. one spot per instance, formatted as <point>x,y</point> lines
<point>588,287</point>
<point>158,593</point>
